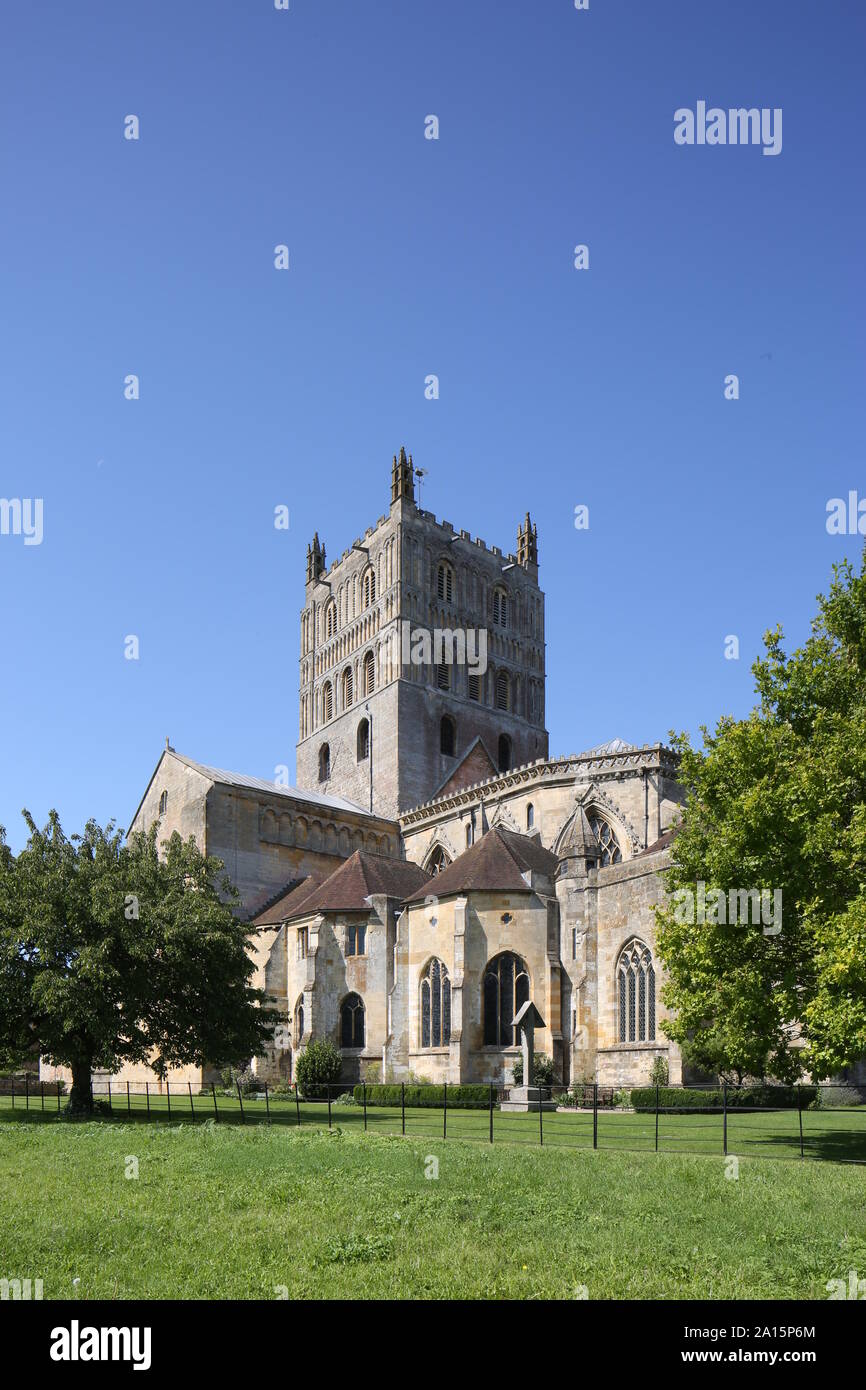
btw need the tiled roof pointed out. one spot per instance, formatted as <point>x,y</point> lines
<point>288,901</point>
<point>261,784</point>
<point>347,888</point>
<point>497,862</point>
<point>663,842</point>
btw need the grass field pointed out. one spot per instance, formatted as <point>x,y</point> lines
<point>221,1210</point>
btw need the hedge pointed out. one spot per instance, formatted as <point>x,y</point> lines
<point>742,1097</point>
<point>432,1097</point>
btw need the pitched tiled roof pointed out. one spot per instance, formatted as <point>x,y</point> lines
<point>497,862</point>
<point>347,888</point>
<point>663,842</point>
<point>288,901</point>
<point>261,784</point>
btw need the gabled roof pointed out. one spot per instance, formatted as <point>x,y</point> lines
<point>663,842</point>
<point>222,778</point>
<point>362,875</point>
<point>477,749</point>
<point>496,862</point>
<point>284,903</point>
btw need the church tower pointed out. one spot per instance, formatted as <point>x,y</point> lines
<point>422,659</point>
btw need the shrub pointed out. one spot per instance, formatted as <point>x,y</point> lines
<point>542,1070</point>
<point>317,1067</point>
<point>660,1073</point>
<point>234,1077</point>
<point>741,1097</point>
<point>829,1097</point>
<point>426,1097</point>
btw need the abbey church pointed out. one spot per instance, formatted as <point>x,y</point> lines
<point>435,868</point>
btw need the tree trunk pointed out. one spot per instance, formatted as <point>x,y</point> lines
<point>80,1097</point>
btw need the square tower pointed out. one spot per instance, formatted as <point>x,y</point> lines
<point>416,644</point>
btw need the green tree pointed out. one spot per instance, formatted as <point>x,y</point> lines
<point>777,801</point>
<point>318,1066</point>
<point>113,953</point>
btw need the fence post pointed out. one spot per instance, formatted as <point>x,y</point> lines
<point>267,1103</point>
<point>128,1100</point>
<point>328,1084</point>
<point>58,1097</point>
<point>42,1089</point>
<point>168,1096</point>
<point>191,1106</point>
<point>725,1118</point>
<point>657,1117</point>
<point>595,1114</point>
<point>491,1112</point>
<point>215,1111</point>
<point>541,1116</point>
<point>800,1113</point>
<point>445,1111</point>
<point>403,1105</point>
<point>26,1091</point>
<point>365,1103</point>
<point>12,1092</point>
<point>147,1096</point>
<point>297,1103</point>
<point>240,1101</point>
<point>109,1095</point>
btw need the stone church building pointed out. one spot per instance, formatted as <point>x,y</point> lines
<point>435,867</point>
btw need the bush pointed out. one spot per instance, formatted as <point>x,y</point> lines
<point>542,1070</point>
<point>660,1073</point>
<point>740,1097</point>
<point>830,1097</point>
<point>239,1077</point>
<point>318,1066</point>
<point>427,1097</point>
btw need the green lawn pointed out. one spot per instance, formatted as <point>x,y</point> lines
<point>221,1210</point>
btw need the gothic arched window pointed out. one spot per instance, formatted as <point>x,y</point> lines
<point>530,816</point>
<point>435,1004</point>
<point>438,860</point>
<point>363,740</point>
<point>348,687</point>
<point>369,674</point>
<point>324,763</point>
<point>352,1021</point>
<point>504,752</point>
<point>446,736</point>
<point>163,803</point>
<point>368,588</point>
<point>636,987</point>
<point>299,1022</point>
<point>506,989</point>
<point>608,844</point>
<point>330,620</point>
<point>327,701</point>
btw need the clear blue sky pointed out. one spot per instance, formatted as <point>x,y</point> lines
<point>409,257</point>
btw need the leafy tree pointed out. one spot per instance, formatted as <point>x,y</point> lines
<point>777,801</point>
<point>113,953</point>
<point>318,1065</point>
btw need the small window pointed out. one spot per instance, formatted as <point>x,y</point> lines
<point>502,690</point>
<point>368,588</point>
<point>530,816</point>
<point>369,673</point>
<point>356,941</point>
<point>347,687</point>
<point>475,687</point>
<point>443,675</point>
<point>445,583</point>
<point>363,740</point>
<point>500,608</point>
<point>330,620</point>
<point>352,1021</point>
<point>327,701</point>
<point>446,736</point>
<point>574,943</point>
<point>438,860</point>
<point>324,763</point>
<point>302,943</point>
<point>468,836</point>
<point>299,1026</point>
<point>504,752</point>
<point>163,803</point>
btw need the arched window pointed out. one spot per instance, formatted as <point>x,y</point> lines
<point>299,1021</point>
<point>446,736</point>
<point>506,989</point>
<point>503,690</point>
<point>445,582</point>
<point>469,835</point>
<point>443,675</point>
<point>347,687</point>
<point>438,861</point>
<point>475,687</point>
<point>352,1021</point>
<point>608,845</point>
<point>163,803</point>
<point>327,701</point>
<point>504,752</point>
<point>500,607</point>
<point>368,588</point>
<point>636,985</point>
<point>324,763</point>
<point>363,740</point>
<point>530,816</point>
<point>435,1006</point>
<point>330,620</point>
<point>369,674</point>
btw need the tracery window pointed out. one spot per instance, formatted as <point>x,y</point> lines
<point>435,1006</point>
<point>438,860</point>
<point>506,988</point>
<point>607,842</point>
<point>352,1021</point>
<point>636,986</point>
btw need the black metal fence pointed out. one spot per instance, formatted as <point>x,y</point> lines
<point>806,1121</point>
